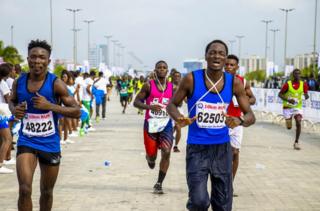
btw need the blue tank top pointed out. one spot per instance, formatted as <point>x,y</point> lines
<point>39,128</point>
<point>209,128</point>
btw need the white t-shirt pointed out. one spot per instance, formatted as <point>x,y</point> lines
<point>86,96</point>
<point>101,84</point>
<point>10,82</point>
<point>79,81</point>
<point>4,90</point>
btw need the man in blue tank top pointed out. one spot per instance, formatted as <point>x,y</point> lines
<point>36,98</point>
<point>209,153</point>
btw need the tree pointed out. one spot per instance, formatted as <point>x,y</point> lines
<point>10,54</point>
<point>258,75</point>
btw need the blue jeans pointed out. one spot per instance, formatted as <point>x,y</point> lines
<point>214,161</point>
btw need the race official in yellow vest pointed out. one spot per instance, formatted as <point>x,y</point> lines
<point>291,93</point>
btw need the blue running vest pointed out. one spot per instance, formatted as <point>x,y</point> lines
<point>197,135</point>
<point>39,128</point>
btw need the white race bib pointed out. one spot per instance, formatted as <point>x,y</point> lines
<point>209,115</point>
<point>123,91</point>
<point>38,125</point>
<point>156,125</point>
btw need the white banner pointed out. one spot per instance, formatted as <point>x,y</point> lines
<point>268,100</point>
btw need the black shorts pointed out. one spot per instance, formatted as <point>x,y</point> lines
<point>46,158</point>
<point>124,98</point>
<point>214,161</point>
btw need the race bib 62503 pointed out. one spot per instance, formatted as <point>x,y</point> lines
<point>209,115</point>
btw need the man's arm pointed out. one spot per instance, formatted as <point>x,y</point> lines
<point>70,108</point>
<point>252,98</point>
<point>248,118</point>
<point>17,110</point>
<point>184,89</point>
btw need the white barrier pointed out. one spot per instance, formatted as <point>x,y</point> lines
<point>267,100</point>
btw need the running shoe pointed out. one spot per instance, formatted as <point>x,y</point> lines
<point>68,141</point>
<point>296,146</point>
<point>157,188</point>
<point>176,149</point>
<point>12,161</point>
<point>4,170</point>
<point>73,134</point>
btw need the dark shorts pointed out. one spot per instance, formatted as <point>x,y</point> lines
<point>124,98</point>
<point>154,141</point>
<point>214,161</point>
<point>46,158</point>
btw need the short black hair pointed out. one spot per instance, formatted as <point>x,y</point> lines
<point>100,74</point>
<point>92,73</point>
<point>176,72</point>
<point>234,57</point>
<point>161,61</point>
<point>41,44</point>
<point>5,69</point>
<point>295,70</point>
<point>217,41</point>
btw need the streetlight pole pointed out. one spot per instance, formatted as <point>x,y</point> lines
<point>315,41</point>
<point>119,54</point>
<point>51,30</point>
<point>114,51</point>
<point>285,33</point>
<point>88,22</point>
<point>108,49</point>
<point>231,45</point>
<point>274,44</point>
<point>123,56</point>
<point>11,30</point>
<point>239,50</point>
<point>74,11</point>
<point>266,47</point>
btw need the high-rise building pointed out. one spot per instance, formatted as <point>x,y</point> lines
<point>304,60</point>
<point>194,64</point>
<point>253,63</point>
<point>98,54</point>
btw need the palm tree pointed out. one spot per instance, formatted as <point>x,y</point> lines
<point>10,54</point>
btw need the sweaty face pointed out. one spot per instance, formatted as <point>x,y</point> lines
<point>176,78</point>
<point>231,66</point>
<point>64,78</point>
<point>216,56</point>
<point>296,75</point>
<point>38,60</point>
<point>161,70</point>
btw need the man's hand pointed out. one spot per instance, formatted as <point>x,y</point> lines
<point>291,101</point>
<point>20,110</point>
<point>155,107</point>
<point>184,121</point>
<point>40,102</point>
<point>231,121</point>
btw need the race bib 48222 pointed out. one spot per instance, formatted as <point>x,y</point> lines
<point>39,125</point>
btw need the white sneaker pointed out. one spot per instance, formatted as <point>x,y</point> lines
<point>4,170</point>
<point>68,141</point>
<point>62,142</point>
<point>12,161</point>
<point>91,129</point>
<point>73,135</point>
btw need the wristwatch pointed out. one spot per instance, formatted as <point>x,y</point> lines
<point>241,120</point>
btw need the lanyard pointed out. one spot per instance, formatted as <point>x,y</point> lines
<point>205,94</point>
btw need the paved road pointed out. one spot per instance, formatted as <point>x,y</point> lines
<point>272,176</point>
